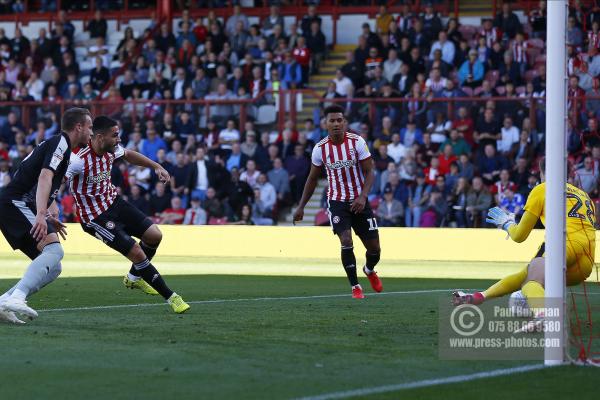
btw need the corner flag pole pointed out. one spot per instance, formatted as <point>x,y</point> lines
<point>556,100</point>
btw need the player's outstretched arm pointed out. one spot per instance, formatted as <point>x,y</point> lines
<point>135,158</point>
<point>309,189</point>
<point>503,220</point>
<point>42,194</point>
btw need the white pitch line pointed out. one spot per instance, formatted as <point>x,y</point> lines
<point>325,296</point>
<point>424,383</point>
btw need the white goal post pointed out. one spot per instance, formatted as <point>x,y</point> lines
<point>556,107</point>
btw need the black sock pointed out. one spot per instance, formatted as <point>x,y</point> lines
<point>349,262</point>
<point>147,271</point>
<point>149,251</point>
<point>372,260</point>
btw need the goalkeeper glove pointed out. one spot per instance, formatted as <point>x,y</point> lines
<point>500,218</point>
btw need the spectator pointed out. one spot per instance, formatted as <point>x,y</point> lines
<point>152,144</point>
<point>411,135</point>
<point>234,20</point>
<point>229,135</point>
<point>298,167</point>
<point>280,179</point>
<point>237,192</point>
<point>244,217</point>
<point>490,164</point>
<point>446,159</point>
<point>268,194</point>
<point>512,202</point>
<point>498,188</point>
<point>317,44</point>
<point>509,136</point>
<point>308,19</point>
<point>459,145</point>
<point>383,20</point>
<point>417,200</point>
<point>251,174</point>
<point>173,215</point>
<point>432,24</point>
<point>97,27</point>
<point>446,46</point>
<point>195,215</point>
<point>586,177</point>
<point>390,211</point>
<point>507,22</point>
<point>574,33</point>
<point>479,201</point>
<point>274,18</point>
<point>396,150</point>
<point>487,131</point>
<point>215,210</point>
<point>471,71</point>
<point>159,200</point>
<point>260,214</point>
<point>138,200</point>
<point>236,159</point>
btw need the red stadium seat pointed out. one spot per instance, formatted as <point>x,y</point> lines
<point>540,58</point>
<point>533,54</point>
<point>530,75</point>
<point>468,91</point>
<point>537,43</point>
<point>322,218</point>
<point>375,203</point>
<point>468,31</point>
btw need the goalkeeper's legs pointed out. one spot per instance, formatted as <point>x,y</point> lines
<point>533,288</point>
<point>506,285</point>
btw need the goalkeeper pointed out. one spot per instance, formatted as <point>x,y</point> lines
<point>581,240</point>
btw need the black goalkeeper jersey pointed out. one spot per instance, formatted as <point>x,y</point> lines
<point>52,154</point>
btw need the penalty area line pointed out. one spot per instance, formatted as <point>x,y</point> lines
<point>218,301</point>
<point>424,383</point>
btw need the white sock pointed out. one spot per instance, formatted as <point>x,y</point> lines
<point>367,270</point>
<point>356,286</point>
<point>133,277</point>
<point>19,294</point>
<point>170,299</point>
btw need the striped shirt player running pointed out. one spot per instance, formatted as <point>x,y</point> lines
<point>349,167</point>
<point>111,219</point>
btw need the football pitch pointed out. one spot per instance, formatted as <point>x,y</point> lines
<point>257,329</point>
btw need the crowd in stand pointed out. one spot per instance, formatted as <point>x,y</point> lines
<point>446,163</point>
<point>438,163</point>
<point>222,172</point>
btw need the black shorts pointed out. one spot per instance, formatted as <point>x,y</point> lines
<point>16,220</point>
<point>117,225</point>
<point>342,219</point>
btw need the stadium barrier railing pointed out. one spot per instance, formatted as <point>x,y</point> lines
<point>288,105</point>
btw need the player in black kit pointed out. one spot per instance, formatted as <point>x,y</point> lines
<point>29,219</point>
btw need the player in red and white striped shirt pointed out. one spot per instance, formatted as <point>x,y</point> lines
<point>349,167</point>
<point>111,219</point>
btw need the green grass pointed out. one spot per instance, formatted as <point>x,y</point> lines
<point>247,349</point>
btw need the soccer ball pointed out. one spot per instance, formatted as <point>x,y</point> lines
<point>518,304</point>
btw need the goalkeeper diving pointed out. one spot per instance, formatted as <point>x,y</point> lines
<point>581,241</point>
